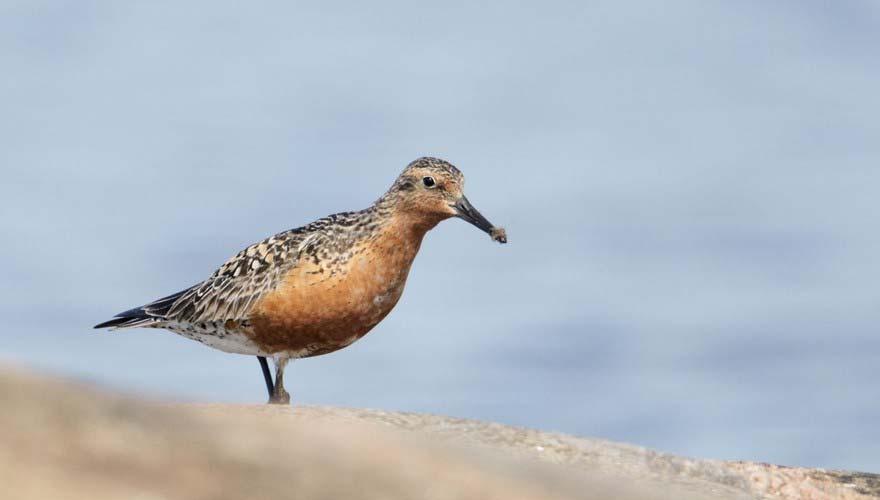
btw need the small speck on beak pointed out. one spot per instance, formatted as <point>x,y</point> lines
<point>498,234</point>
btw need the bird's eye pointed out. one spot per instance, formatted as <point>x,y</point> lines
<point>428,181</point>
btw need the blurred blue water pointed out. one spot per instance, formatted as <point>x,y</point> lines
<point>690,192</point>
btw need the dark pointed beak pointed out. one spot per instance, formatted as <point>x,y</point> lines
<point>464,210</point>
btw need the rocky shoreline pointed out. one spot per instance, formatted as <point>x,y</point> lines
<point>66,440</point>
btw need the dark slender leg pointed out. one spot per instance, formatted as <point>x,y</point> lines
<point>267,375</point>
<point>279,396</point>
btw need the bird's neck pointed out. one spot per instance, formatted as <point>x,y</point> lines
<point>392,248</point>
<point>407,223</point>
<point>407,229</point>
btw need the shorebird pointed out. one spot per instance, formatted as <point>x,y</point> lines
<point>320,287</point>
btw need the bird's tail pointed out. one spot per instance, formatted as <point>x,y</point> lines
<point>147,315</point>
<point>128,322</point>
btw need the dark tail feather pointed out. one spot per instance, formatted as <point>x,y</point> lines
<point>144,315</point>
<point>124,322</point>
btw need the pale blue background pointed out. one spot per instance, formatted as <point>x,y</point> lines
<point>690,190</point>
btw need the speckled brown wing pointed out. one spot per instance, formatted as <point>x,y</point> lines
<point>231,292</point>
<point>239,284</point>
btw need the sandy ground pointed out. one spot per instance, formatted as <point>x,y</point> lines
<point>67,441</point>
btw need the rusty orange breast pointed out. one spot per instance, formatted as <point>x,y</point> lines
<point>324,306</point>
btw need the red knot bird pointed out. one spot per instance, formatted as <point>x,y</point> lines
<point>318,288</point>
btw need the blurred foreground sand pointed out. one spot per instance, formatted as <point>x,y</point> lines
<point>62,440</point>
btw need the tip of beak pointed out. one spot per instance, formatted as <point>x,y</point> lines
<point>498,234</point>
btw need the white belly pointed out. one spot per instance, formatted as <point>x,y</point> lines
<point>216,336</point>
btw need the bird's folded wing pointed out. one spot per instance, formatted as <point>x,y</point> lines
<point>232,291</point>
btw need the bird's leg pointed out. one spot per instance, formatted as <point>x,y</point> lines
<point>267,375</point>
<point>279,395</point>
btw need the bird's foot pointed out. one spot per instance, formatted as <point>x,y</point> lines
<point>281,397</point>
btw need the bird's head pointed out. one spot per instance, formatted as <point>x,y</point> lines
<point>431,189</point>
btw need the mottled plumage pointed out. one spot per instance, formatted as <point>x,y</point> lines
<point>318,288</point>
